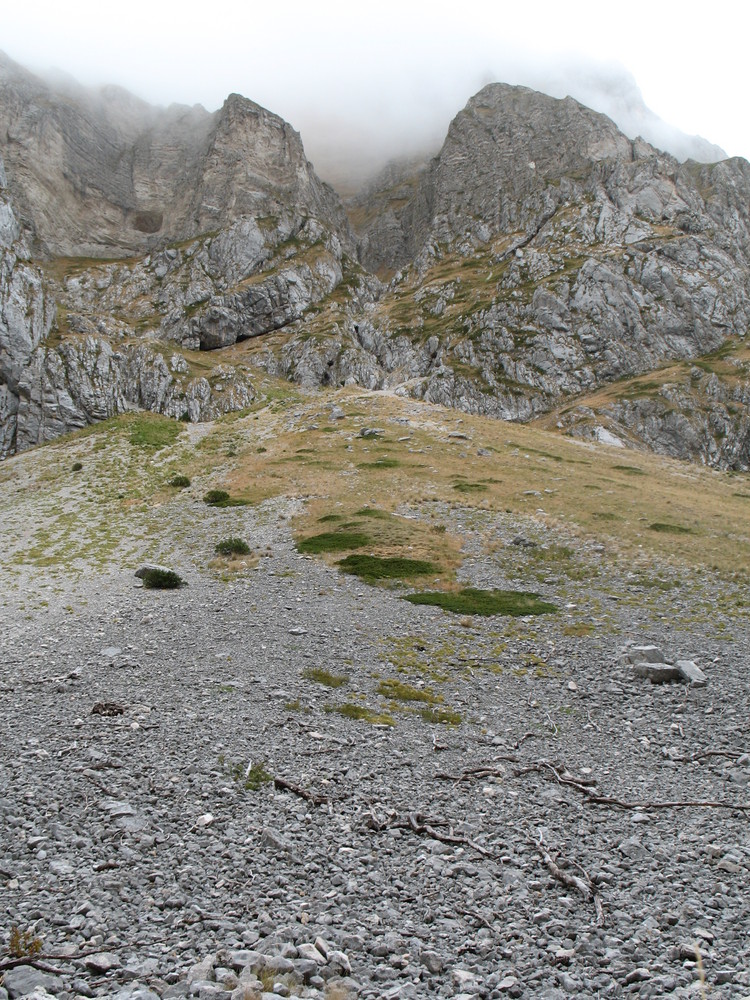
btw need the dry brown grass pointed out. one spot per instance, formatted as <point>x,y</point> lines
<point>588,490</point>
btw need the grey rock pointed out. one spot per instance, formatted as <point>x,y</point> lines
<point>25,979</point>
<point>431,960</point>
<point>104,961</point>
<point>692,673</point>
<point>657,673</point>
<point>136,991</point>
<point>643,654</point>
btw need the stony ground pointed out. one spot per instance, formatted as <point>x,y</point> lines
<point>146,849</point>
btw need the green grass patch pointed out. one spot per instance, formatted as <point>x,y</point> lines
<point>472,601</point>
<point>325,677</point>
<point>373,512</point>
<point>330,517</point>
<point>632,470</point>
<point>399,691</point>
<point>232,547</point>
<point>333,541</point>
<point>470,487</point>
<point>670,529</point>
<point>394,568</point>
<point>251,778</point>
<point>153,431</point>
<point>361,713</point>
<point>380,463</point>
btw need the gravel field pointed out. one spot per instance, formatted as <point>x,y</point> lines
<point>184,812</point>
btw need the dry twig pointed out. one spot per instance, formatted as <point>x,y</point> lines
<point>418,823</point>
<point>582,785</point>
<point>584,886</point>
<point>286,786</point>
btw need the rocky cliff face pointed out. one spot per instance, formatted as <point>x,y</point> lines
<point>541,256</point>
<point>214,228</point>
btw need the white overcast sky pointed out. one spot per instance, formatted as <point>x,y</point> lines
<point>393,68</point>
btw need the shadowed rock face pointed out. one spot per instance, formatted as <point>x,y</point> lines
<point>104,174</point>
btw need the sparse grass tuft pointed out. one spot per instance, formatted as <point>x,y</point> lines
<point>360,712</point>
<point>579,629</point>
<point>399,691</point>
<point>441,716</point>
<point>322,676</point>
<point>471,601</point>
<point>23,944</point>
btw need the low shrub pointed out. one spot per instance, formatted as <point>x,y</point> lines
<point>76,466</point>
<point>232,547</point>
<point>180,482</point>
<point>220,498</point>
<point>162,579</point>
